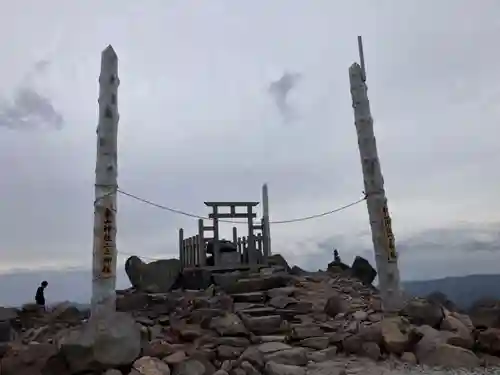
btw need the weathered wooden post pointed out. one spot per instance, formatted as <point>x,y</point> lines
<point>105,205</point>
<point>383,239</point>
<point>201,244</point>
<point>265,222</point>
<point>235,236</point>
<point>182,254</point>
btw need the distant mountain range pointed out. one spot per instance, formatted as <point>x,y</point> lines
<point>75,285</point>
<point>462,290</point>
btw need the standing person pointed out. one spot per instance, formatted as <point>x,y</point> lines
<point>40,296</point>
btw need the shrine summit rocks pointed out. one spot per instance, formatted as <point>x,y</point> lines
<point>273,320</point>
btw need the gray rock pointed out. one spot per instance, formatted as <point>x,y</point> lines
<point>270,347</point>
<point>8,314</point>
<point>306,331</point>
<point>157,277</point>
<point>151,366</point>
<point>228,325</point>
<point>322,355</point>
<point>225,352</point>
<point>371,350</point>
<point>362,270</point>
<point>254,356</point>
<point>249,368</point>
<point>264,325</point>
<point>336,305</point>
<point>317,343</point>
<point>232,341</point>
<point>273,368</point>
<point>110,342</point>
<point>195,279</point>
<point>6,332</point>
<point>190,367</point>
<point>281,301</point>
<point>422,312</point>
<point>235,284</point>
<point>252,297</point>
<point>278,260</point>
<point>294,356</point>
<point>286,291</point>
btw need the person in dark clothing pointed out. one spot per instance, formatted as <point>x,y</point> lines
<point>40,297</point>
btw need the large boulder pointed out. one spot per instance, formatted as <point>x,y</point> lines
<point>6,332</point>
<point>362,270</point>
<point>395,337</point>
<point>423,312</point>
<point>106,342</point>
<point>489,341</point>
<point>8,314</point>
<point>434,349</point>
<point>485,313</point>
<point>441,299</point>
<point>33,359</point>
<point>195,279</point>
<point>155,277</point>
<point>278,260</point>
<point>458,325</point>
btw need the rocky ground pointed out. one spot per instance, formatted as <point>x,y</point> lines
<point>273,322</point>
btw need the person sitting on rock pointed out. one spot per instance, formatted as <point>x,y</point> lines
<point>40,296</point>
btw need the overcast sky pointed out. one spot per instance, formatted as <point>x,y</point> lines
<point>197,123</point>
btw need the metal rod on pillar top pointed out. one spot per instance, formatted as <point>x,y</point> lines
<point>265,216</point>
<point>105,205</point>
<point>382,237</point>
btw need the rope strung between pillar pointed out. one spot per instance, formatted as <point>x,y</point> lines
<point>180,212</point>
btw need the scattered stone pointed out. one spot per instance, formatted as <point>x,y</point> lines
<point>175,358</point>
<point>190,367</point>
<point>228,325</point>
<point>322,355</point>
<point>270,347</point>
<point>264,325</point>
<point>229,352</point>
<point>409,357</point>
<point>336,305</point>
<point>371,350</point>
<point>294,356</point>
<point>249,368</point>
<point>273,368</point>
<point>151,366</point>
<point>317,343</point>
<point>254,356</point>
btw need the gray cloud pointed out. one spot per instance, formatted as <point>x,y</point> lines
<point>197,123</point>
<point>28,109</point>
<point>279,90</point>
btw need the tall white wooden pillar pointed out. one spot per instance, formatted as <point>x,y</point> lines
<point>105,205</point>
<point>382,237</point>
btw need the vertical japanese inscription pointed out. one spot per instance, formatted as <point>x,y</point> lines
<point>390,244</point>
<point>107,243</point>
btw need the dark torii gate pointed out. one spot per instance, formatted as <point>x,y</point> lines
<point>250,215</point>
